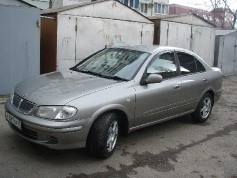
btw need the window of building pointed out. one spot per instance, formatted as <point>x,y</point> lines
<point>143,8</point>
<point>131,3</point>
<point>164,65</point>
<point>160,8</point>
<point>205,17</point>
<point>210,17</point>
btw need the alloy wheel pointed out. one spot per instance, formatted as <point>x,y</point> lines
<point>112,136</point>
<point>206,107</point>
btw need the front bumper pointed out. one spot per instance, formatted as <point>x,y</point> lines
<point>52,134</point>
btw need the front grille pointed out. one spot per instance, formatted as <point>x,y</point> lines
<point>22,105</point>
<point>16,100</point>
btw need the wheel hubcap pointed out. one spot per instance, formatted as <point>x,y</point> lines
<point>206,108</point>
<point>112,136</point>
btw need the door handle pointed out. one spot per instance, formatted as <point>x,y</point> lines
<point>204,80</point>
<point>176,87</point>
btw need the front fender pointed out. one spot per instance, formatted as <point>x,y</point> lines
<point>112,107</point>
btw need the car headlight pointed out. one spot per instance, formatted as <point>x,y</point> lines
<point>55,112</point>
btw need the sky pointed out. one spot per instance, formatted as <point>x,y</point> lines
<point>202,4</point>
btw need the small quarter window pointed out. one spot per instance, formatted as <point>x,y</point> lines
<point>200,67</point>
<point>163,65</point>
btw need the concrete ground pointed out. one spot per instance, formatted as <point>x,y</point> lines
<point>177,148</point>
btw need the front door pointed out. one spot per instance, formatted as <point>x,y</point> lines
<point>160,100</point>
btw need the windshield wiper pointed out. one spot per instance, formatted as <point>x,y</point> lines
<point>100,75</point>
<point>116,78</point>
<point>88,72</point>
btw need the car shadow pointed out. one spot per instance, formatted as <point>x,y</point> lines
<point>46,155</point>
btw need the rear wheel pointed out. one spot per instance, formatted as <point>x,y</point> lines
<point>204,108</point>
<point>104,135</point>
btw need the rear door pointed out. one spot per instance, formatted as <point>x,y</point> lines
<point>193,81</point>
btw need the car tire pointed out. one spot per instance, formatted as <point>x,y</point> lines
<point>203,109</point>
<point>103,136</point>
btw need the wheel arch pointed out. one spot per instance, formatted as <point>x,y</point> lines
<point>123,120</point>
<point>211,92</point>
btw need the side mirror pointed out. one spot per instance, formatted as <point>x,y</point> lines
<point>154,78</point>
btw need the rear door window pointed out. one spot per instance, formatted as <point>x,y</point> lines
<point>200,67</point>
<point>189,64</point>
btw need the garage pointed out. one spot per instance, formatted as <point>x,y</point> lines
<point>72,33</point>
<point>188,31</point>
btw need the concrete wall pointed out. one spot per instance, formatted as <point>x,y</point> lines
<point>19,46</point>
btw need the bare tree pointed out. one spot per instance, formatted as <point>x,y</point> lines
<point>234,13</point>
<point>219,3</point>
<point>215,4</point>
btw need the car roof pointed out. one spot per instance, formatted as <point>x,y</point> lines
<point>143,48</point>
<point>151,48</point>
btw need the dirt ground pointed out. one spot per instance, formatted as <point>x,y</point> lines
<point>177,148</point>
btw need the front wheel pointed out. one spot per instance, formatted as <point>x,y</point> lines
<point>104,135</point>
<point>204,108</point>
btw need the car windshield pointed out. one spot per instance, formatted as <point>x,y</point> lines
<point>113,63</point>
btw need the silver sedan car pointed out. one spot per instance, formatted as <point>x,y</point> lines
<point>114,91</point>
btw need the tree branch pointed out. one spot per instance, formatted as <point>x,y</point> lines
<point>225,1</point>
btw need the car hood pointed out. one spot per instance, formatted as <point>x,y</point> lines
<point>59,88</point>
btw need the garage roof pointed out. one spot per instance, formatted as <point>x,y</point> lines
<point>192,18</point>
<point>113,9</point>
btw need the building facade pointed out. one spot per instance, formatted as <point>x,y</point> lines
<point>149,7</point>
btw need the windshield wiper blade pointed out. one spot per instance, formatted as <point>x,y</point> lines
<point>100,75</point>
<point>116,78</point>
<point>89,72</point>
